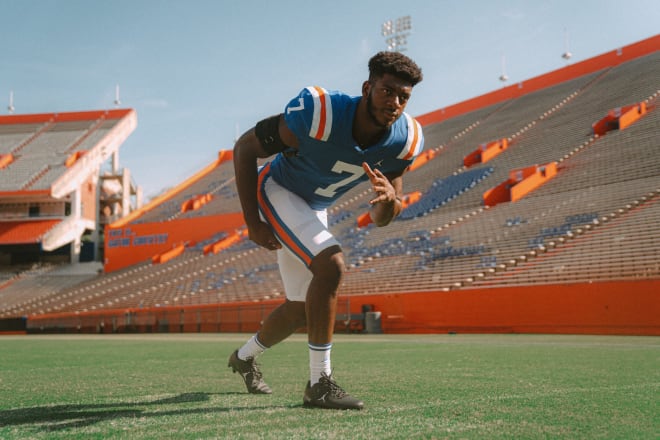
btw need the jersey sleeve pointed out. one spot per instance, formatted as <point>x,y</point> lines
<point>310,114</point>
<point>414,140</point>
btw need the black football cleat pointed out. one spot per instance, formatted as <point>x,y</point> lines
<point>327,394</point>
<point>251,374</point>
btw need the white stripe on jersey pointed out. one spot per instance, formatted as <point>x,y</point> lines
<point>322,116</point>
<point>414,141</point>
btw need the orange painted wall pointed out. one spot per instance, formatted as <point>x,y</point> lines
<point>613,308</point>
<point>631,114</point>
<point>521,181</point>
<point>497,194</point>
<point>135,243</point>
<point>618,307</point>
<point>608,59</point>
<point>533,180</point>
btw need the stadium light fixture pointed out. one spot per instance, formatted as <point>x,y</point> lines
<point>504,77</point>
<point>396,33</point>
<point>10,107</point>
<point>117,101</point>
<point>567,54</point>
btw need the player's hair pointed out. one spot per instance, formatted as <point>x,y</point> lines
<point>396,64</point>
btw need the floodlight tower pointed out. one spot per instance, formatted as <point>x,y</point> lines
<point>504,77</point>
<point>396,33</point>
<point>567,54</point>
<point>117,101</point>
<point>10,107</point>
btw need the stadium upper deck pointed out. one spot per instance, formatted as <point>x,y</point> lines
<point>49,177</point>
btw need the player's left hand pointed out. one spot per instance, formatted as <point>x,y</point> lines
<point>380,185</point>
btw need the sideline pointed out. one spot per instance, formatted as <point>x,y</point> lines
<point>458,339</point>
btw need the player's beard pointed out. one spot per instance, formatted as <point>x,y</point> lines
<point>372,114</point>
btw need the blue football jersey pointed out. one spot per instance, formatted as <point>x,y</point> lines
<point>328,161</point>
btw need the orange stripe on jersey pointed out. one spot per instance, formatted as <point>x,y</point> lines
<point>323,118</point>
<point>272,220</point>
<point>415,141</point>
<point>414,138</point>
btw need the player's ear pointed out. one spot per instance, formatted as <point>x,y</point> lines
<point>366,86</point>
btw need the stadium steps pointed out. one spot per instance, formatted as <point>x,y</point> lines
<point>626,246</point>
<point>40,130</point>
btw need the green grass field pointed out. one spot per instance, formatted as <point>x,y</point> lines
<point>424,386</point>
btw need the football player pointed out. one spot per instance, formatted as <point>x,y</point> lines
<point>324,143</point>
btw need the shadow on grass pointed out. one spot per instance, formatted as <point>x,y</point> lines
<point>59,417</point>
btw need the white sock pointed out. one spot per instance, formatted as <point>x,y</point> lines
<point>319,361</point>
<point>252,348</point>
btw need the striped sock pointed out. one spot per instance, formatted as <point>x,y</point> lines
<point>252,349</point>
<point>319,361</point>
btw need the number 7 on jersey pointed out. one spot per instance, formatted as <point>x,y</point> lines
<point>355,171</point>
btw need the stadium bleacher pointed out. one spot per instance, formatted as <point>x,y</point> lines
<point>40,151</point>
<point>219,183</point>
<point>597,220</point>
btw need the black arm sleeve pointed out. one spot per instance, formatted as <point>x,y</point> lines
<point>268,133</point>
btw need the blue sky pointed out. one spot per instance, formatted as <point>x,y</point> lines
<point>198,71</point>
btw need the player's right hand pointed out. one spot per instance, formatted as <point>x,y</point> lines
<point>380,185</point>
<point>262,234</point>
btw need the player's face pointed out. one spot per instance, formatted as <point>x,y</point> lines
<point>386,99</point>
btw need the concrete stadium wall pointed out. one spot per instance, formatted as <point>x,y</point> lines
<point>606,308</point>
